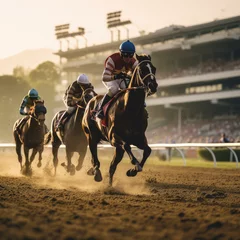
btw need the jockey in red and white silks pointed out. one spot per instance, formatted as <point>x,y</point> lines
<point>114,66</point>
<point>117,66</point>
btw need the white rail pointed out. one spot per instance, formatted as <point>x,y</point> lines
<point>178,146</point>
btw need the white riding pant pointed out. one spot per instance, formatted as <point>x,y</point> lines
<point>69,109</point>
<point>114,86</point>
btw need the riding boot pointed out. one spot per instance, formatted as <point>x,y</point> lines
<point>62,121</point>
<point>105,100</point>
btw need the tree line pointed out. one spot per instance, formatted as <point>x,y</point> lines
<point>14,87</point>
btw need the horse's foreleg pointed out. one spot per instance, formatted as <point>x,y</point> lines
<point>95,162</point>
<point>82,153</point>
<point>133,159</point>
<point>18,151</point>
<point>146,151</point>
<point>27,171</point>
<point>55,147</point>
<point>70,167</point>
<point>26,153</point>
<point>143,145</point>
<point>118,155</point>
<point>40,151</point>
<point>34,152</point>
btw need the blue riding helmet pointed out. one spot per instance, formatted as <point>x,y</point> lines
<point>127,47</point>
<point>33,93</point>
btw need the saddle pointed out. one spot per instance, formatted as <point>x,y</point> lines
<point>106,107</point>
<point>57,122</point>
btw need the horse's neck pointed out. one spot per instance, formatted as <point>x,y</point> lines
<point>134,101</point>
<point>34,124</point>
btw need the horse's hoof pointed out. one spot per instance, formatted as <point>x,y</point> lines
<point>78,167</point>
<point>98,175</point>
<point>131,173</point>
<point>90,172</point>
<point>72,170</point>
<point>27,171</point>
<point>110,184</point>
<point>63,164</point>
<point>39,164</point>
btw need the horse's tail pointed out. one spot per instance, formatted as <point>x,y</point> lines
<point>47,138</point>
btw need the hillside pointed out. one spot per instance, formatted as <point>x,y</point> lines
<point>27,59</point>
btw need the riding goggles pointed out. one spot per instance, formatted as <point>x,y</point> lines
<point>127,55</point>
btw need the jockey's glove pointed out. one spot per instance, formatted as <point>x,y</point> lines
<point>119,76</point>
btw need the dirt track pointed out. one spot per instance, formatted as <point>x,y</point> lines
<point>160,203</point>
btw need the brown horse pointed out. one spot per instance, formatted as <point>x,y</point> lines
<point>73,137</point>
<point>126,121</point>
<point>31,136</point>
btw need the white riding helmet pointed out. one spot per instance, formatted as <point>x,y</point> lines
<point>83,79</point>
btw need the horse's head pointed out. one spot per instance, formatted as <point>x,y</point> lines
<point>87,95</point>
<point>145,72</point>
<point>38,111</point>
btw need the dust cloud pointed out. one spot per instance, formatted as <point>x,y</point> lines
<point>43,176</point>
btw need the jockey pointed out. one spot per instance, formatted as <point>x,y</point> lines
<point>27,103</point>
<point>74,91</point>
<point>114,75</point>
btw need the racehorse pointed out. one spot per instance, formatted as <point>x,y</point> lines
<point>72,136</point>
<point>31,136</point>
<point>126,121</point>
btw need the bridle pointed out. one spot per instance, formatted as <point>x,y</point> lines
<point>137,71</point>
<point>35,117</point>
<point>83,97</point>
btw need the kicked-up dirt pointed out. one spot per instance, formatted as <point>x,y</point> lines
<point>162,202</point>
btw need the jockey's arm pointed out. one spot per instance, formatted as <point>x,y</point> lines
<point>108,71</point>
<point>71,101</point>
<point>22,107</point>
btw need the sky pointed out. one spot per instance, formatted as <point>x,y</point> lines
<point>30,24</point>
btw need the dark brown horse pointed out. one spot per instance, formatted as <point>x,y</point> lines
<point>126,121</point>
<point>73,136</point>
<point>31,136</point>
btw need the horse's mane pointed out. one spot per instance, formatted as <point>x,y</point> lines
<point>143,57</point>
<point>39,101</point>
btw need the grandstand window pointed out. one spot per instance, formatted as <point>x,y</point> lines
<point>202,89</point>
<point>219,87</point>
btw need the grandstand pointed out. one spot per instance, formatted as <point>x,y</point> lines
<point>198,71</point>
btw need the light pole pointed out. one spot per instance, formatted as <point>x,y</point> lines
<point>114,21</point>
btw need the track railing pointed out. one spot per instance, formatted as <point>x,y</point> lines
<point>178,146</point>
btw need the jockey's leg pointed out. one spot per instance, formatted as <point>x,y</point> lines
<point>65,116</point>
<point>105,100</point>
<point>112,87</point>
<point>21,123</point>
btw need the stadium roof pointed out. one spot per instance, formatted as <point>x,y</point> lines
<point>159,35</point>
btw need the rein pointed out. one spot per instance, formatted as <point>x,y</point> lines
<point>35,118</point>
<point>83,99</point>
<point>137,71</point>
